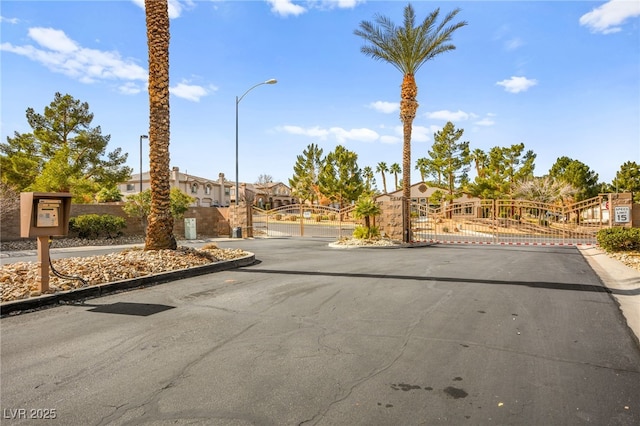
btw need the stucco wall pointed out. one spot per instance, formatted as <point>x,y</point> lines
<point>210,221</point>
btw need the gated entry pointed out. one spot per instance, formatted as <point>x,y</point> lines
<point>298,220</point>
<point>519,222</point>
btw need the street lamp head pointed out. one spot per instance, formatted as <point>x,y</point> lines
<point>144,137</point>
<point>271,81</point>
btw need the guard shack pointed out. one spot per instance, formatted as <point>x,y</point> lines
<point>44,215</point>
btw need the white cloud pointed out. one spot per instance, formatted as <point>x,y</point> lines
<point>448,115</point>
<point>53,39</point>
<point>130,88</point>
<point>418,133</point>
<point>9,20</point>
<point>332,4</point>
<point>189,92</point>
<point>61,54</point>
<point>487,121</point>
<point>360,135</point>
<point>517,84</point>
<point>314,132</point>
<point>341,135</point>
<point>423,134</point>
<point>607,18</point>
<point>385,107</point>
<point>286,8</point>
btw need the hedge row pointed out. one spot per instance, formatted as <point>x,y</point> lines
<point>619,239</point>
<point>94,226</point>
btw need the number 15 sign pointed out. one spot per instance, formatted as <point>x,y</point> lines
<point>622,214</point>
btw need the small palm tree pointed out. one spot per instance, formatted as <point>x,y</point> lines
<point>396,170</point>
<point>366,208</point>
<point>382,169</point>
<point>408,48</point>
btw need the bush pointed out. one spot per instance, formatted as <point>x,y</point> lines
<point>619,239</point>
<point>93,226</point>
<point>364,233</point>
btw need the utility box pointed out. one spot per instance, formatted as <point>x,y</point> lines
<point>190,228</point>
<point>44,214</point>
<point>236,232</point>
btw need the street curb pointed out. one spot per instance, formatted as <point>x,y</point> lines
<point>15,307</point>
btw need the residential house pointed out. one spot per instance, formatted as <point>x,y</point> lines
<point>206,192</point>
<point>421,192</point>
<point>269,195</point>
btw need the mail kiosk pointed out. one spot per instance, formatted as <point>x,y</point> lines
<point>44,215</point>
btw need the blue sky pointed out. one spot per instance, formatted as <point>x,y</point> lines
<point>561,77</point>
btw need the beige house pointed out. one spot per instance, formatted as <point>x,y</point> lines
<point>420,193</point>
<point>207,192</point>
<point>217,193</point>
<point>270,195</point>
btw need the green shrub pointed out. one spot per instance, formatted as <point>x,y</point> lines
<point>619,239</point>
<point>364,233</point>
<point>93,226</point>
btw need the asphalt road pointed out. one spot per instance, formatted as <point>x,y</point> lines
<point>313,335</point>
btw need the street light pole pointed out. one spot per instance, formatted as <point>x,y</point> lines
<point>141,137</point>
<point>238,99</point>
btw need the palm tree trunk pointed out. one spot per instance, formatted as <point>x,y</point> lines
<point>160,228</point>
<point>408,108</point>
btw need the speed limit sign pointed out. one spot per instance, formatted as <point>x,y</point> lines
<point>622,214</point>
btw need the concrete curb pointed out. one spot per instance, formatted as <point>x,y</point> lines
<point>49,300</point>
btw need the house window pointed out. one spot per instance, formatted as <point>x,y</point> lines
<point>226,190</point>
<point>194,188</point>
<point>207,189</point>
<point>131,187</point>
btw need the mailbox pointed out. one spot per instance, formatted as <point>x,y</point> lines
<point>44,214</point>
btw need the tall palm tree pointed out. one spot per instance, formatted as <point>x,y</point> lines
<point>422,165</point>
<point>382,169</point>
<point>369,179</point>
<point>481,160</point>
<point>160,222</point>
<point>395,170</point>
<point>407,48</point>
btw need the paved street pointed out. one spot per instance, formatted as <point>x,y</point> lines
<point>315,335</point>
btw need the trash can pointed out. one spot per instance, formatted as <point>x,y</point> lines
<point>236,232</point>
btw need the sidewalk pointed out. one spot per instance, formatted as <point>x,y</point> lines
<point>623,281</point>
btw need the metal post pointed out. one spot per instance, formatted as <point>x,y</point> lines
<point>237,102</point>
<point>238,99</point>
<point>141,137</point>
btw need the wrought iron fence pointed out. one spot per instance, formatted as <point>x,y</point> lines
<point>299,220</point>
<point>510,221</point>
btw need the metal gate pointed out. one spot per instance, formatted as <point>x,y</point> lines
<point>509,221</point>
<point>298,220</point>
